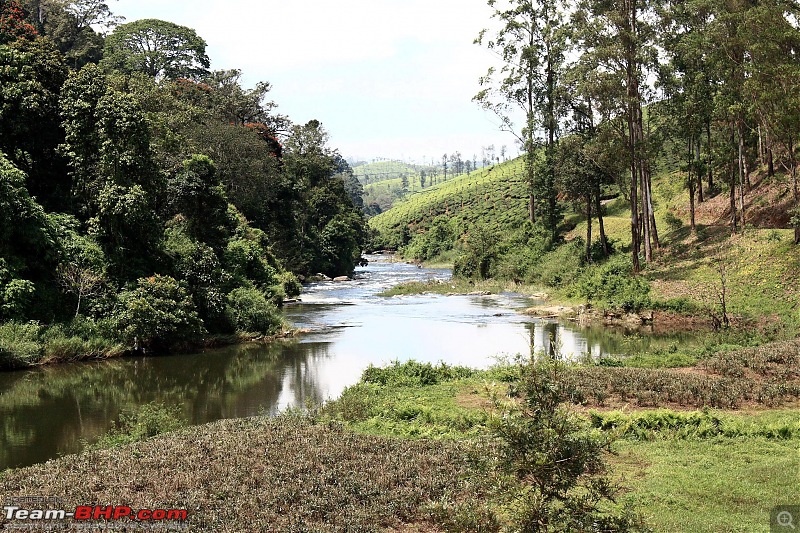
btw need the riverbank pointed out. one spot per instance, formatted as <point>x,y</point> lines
<point>31,345</point>
<point>681,464</point>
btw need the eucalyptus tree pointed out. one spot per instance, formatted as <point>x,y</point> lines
<point>616,43</point>
<point>531,42</point>
<point>689,83</point>
<point>773,84</point>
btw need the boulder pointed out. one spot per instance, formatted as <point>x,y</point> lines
<point>341,278</point>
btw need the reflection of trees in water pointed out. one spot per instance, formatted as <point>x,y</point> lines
<point>302,372</point>
<point>47,411</point>
<point>597,341</point>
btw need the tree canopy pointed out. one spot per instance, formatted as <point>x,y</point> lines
<point>157,48</point>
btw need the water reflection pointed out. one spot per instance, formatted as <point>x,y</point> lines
<point>46,412</point>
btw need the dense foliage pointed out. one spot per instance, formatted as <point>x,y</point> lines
<point>157,199</point>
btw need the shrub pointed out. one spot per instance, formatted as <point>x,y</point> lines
<point>158,313</point>
<point>478,255</point>
<point>673,222</point>
<point>555,458</point>
<point>19,344</point>
<point>563,265</point>
<point>291,285</point>
<point>147,421</point>
<point>250,311</point>
<point>414,373</point>
<point>614,284</point>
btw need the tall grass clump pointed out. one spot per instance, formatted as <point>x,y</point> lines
<point>19,344</point>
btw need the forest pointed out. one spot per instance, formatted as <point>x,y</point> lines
<point>608,91</point>
<point>146,200</point>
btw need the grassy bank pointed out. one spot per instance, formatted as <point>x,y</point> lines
<point>681,470</point>
<point>30,344</point>
<point>409,448</point>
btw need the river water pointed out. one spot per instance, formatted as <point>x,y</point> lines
<point>50,411</point>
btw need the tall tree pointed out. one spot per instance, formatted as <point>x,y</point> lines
<point>157,48</point>
<point>531,42</point>
<point>616,40</point>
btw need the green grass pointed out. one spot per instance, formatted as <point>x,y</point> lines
<point>459,286</point>
<point>682,471</point>
<point>398,450</point>
<point>723,485</point>
<point>31,344</point>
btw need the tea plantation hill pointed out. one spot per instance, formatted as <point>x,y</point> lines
<point>760,264</point>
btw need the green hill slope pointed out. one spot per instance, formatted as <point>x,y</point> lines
<point>494,196</point>
<point>386,182</point>
<point>761,263</point>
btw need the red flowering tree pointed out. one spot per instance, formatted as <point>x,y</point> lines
<point>13,25</point>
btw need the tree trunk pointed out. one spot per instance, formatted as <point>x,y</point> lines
<point>649,183</point>
<point>710,158</point>
<point>633,107</point>
<point>740,135</point>
<point>732,182</point>
<point>589,228</point>
<point>691,205</point>
<point>599,209</point>
<point>690,180</point>
<point>794,190</point>
<point>699,176</point>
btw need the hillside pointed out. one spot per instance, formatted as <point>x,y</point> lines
<point>383,182</point>
<point>495,196</point>
<point>760,263</point>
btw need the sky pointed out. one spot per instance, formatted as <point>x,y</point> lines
<point>387,78</point>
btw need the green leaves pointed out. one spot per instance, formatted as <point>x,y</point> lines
<point>157,48</point>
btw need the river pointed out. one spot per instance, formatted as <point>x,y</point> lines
<point>50,411</point>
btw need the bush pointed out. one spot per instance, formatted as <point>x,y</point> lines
<point>563,265</point>
<point>19,344</point>
<point>478,255</point>
<point>250,311</point>
<point>414,373</point>
<point>291,285</point>
<point>557,461</point>
<point>136,425</point>
<point>158,313</point>
<point>673,222</point>
<point>614,285</point>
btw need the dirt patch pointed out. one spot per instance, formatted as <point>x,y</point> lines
<point>472,399</point>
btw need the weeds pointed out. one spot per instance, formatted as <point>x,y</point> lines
<point>137,425</point>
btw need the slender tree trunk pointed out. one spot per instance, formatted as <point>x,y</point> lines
<point>692,184</point>
<point>633,106</point>
<point>653,227</point>
<point>710,158</point>
<point>740,135</point>
<point>588,227</point>
<point>699,176</point>
<point>732,182</point>
<point>795,193</point>
<point>598,207</point>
